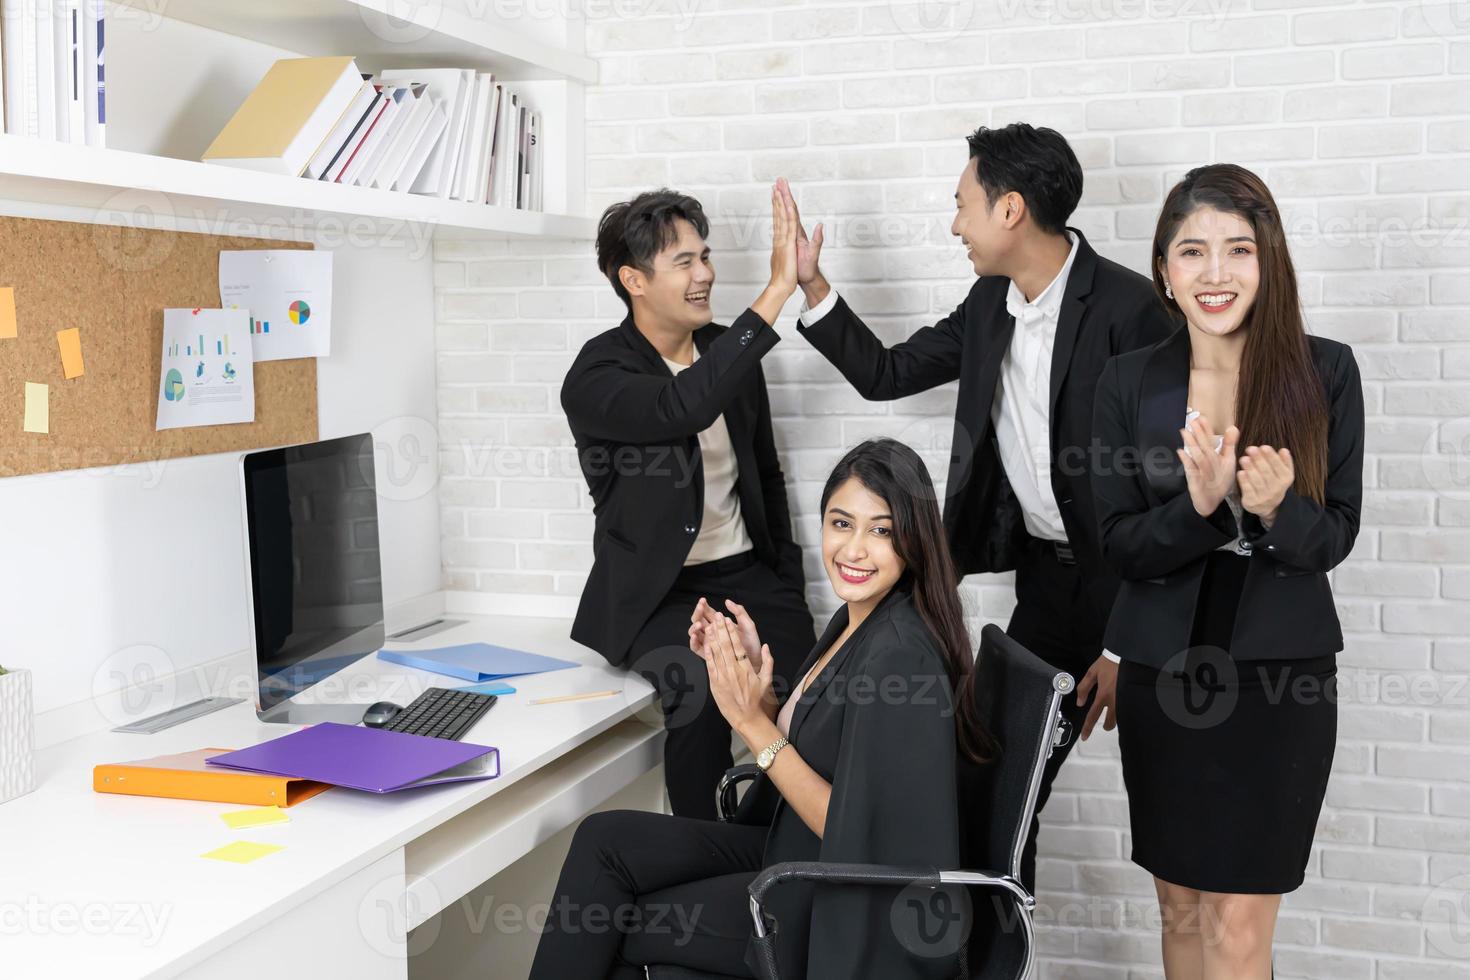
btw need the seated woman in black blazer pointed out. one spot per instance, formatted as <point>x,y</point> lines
<point>875,723</point>
<point>1225,623</point>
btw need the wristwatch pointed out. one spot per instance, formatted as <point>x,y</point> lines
<point>768,754</point>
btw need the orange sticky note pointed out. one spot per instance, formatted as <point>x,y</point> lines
<point>70,342</point>
<point>7,312</point>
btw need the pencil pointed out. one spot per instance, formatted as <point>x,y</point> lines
<point>573,697</point>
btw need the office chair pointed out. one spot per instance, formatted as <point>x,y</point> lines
<point>1019,699</point>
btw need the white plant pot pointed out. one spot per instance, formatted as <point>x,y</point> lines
<point>17,735</point>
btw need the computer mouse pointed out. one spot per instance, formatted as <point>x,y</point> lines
<point>379,713</point>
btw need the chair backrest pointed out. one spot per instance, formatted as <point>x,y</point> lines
<point>1019,699</point>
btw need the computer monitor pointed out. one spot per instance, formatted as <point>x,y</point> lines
<point>316,579</point>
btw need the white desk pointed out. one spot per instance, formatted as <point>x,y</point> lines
<point>98,885</point>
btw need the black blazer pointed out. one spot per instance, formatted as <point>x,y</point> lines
<point>878,724</point>
<point>1106,309</point>
<point>1158,542</point>
<point>636,426</point>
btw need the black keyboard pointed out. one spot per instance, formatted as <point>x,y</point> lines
<point>441,713</point>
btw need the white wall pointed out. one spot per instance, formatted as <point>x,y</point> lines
<point>1358,116</point>
<point>118,574</point>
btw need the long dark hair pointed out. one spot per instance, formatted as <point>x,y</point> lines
<point>1279,399</point>
<point>894,472</point>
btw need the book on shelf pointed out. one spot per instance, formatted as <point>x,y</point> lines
<point>367,155</point>
<point>418,156</point>
<point>405,137</point>
<point>284,120</point>
<point>45,71</point>
<point>71,70</point>
<point>468,167</point>
<point>358,137</point>
<point>326,154</point>
<point>94,74</point>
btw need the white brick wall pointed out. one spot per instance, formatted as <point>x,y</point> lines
<point>1358,116</point>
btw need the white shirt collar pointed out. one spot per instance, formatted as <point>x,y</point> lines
<point>1050,300</point>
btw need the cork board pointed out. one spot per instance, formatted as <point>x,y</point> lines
<point>113,283</point>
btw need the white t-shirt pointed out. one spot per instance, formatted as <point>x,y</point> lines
<point>722,531</point>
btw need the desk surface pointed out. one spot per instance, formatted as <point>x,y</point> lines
<point>104,885</point>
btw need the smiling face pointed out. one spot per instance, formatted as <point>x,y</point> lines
<point>1213,269</point>
<point>858,546</point>
<point>677,292</point>
<point>981,228</point>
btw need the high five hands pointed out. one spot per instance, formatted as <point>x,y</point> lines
<point>1263,474</point>
<point>784,225</point>
<point>808,251</point>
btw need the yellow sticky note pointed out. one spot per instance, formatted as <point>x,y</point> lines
<point>38,407</point>
<point>255,817</point>
<point>243,851</point>
<point>70,342</point>
<point>7,312</point>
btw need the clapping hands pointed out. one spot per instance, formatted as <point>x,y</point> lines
<point>740,681</point>
<point>1208,472</point>
<point>1262,473</point>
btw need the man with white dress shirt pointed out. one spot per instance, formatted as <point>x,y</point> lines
<point>1027,346</point>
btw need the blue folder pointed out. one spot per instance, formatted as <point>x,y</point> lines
<point>489,687</point>
<point>476,661</point>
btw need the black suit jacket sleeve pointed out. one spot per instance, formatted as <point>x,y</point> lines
<point>773,492</point>
<point>931,357</point>
<point>1319,536</point>
<point>609,394</point>
<point>1139,540</point>
<point>894,801</point>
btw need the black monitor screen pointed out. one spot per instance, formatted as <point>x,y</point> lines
<point>315,576</point>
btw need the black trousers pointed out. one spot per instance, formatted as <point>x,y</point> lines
<point>648,888</point>
<point>697,747</point>
<point>1052,619</point>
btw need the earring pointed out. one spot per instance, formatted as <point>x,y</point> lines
<point>1168,290</point>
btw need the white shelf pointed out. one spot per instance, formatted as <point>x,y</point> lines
<point>434,35</point>
<point>166,193</point>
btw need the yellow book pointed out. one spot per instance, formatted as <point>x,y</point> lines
<point>185,776</point>
<point>293,109</point>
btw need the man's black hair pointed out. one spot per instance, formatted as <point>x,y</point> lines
<point>1035,163</point>
<point>633,232</point>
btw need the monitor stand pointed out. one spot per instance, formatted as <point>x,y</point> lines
<point>289,713</point>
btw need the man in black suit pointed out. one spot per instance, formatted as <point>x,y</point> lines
<point>1027,346</point>
<point>673,430</point>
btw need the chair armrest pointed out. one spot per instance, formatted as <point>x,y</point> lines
<point>882,874</point>
<point>875,874</point>
<point>729,783</point>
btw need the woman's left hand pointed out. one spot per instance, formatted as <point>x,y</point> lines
<point>1265,476</point>
<point>743,695</point>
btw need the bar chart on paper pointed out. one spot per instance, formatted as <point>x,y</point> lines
<point>206,380</point>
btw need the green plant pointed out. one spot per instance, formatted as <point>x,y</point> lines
<point>2,670</point>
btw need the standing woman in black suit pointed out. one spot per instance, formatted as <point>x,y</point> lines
<point>1228,474</point>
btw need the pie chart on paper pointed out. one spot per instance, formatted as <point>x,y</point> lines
<point>299,311</point>
<point>173,386</point>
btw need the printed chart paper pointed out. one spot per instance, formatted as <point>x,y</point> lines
<point>208,374</point>
<point>288,294</point>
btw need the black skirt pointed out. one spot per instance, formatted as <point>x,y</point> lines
<point>1226,761</point>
